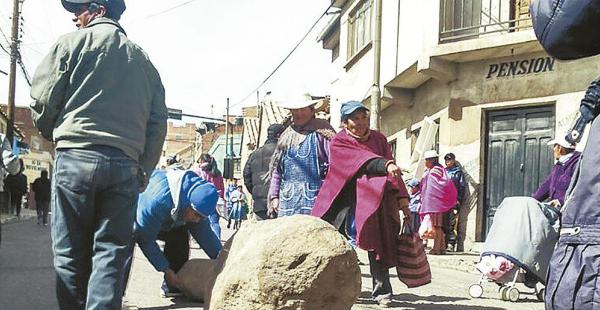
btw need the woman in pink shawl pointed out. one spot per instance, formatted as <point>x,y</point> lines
<point>361,165</point>
<point>209,171</point>
<point>438,195</point>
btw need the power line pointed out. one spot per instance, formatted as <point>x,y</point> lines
<point>23,68</point>
<point>4,35</point>
<point>285,59</point>
<point>165,11</point>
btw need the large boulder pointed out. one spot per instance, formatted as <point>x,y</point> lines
<point>297,262</point>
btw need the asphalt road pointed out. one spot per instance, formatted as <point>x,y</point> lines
<point>27,281</point>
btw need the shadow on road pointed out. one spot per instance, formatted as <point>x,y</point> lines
<point>178,303</point>
<point>409,301</point>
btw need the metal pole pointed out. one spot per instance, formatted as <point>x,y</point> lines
<point>260,119</point>
<point>375,90</point>
<point>227,130</point>
<point>12,80</point>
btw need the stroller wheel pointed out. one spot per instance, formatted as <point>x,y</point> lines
<point>503,293</point>
<point>513,294</point>
<point>475,290</point>
<point>540,294</point>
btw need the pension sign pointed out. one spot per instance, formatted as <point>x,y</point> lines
<point>520,67</point>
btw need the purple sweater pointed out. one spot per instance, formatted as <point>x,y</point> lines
<point>556,184</point>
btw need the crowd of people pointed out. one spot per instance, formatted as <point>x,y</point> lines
<point>100,99</point>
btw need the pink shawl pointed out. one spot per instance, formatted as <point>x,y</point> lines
<point>438,193</point>
<point>377,219</point>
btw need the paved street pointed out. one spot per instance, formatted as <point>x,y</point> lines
<point>27,280</point>
<point>26,273</point>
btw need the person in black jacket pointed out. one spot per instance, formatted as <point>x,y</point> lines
<point>256,169</point>
<point>17,187</point>
<point>41,188</point>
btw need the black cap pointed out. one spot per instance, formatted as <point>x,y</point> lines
<point>115,7</point>
<point>449,156</point>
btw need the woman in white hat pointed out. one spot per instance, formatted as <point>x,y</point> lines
<point>557,182</point>
<point>438,195</point>
<point>299,163</point>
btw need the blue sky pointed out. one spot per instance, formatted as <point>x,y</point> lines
<point>205,50</point>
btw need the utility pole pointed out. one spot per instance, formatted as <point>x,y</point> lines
<point>227,130</point>
<point>260,117</point>
<point>12,79</point>
<point>375,90</point>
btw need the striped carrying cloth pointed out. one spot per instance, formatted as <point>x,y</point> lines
<point>412,268</point>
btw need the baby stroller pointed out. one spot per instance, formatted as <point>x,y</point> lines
<point>518,247</point>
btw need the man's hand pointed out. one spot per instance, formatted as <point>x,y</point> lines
<point>172,278</point>
<point>394,171</point>
<point>273,206</point>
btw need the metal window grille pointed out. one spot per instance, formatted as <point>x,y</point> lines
<point>467,19</point>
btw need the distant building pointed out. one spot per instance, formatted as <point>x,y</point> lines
<point>181,140</point>
<point>41,151</point>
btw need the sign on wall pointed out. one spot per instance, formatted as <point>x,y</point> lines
<point>520,67</point>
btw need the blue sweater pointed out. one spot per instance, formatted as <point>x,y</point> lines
<point>157,211</point>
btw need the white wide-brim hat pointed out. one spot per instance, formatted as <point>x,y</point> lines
<point>431,154</point>
<point>560,140</point>
<point>298,102</point>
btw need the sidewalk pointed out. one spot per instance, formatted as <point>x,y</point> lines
<point>26,214</point>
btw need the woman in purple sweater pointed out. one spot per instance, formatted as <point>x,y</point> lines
<point>557,182</point>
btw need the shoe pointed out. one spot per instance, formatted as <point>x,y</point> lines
<point>166,291</point>
<point>385,302</point>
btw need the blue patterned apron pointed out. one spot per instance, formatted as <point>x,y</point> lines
<point>301,177</point>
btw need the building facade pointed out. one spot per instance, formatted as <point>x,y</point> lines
<point>476,71</point>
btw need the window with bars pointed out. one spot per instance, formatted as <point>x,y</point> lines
<point>359,27</point>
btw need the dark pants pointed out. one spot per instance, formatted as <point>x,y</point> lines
<point>450,219</point>
<point>382,288</point>
<point>94,196</point>
<point>4,205</point>
<point>16,201</point>
<point>176,250</point>
<point>262,215</point>
<point>177,246</point>
<point>42,211</point>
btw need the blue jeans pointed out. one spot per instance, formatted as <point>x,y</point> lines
<point>214,224</point>
<point>94,196</point>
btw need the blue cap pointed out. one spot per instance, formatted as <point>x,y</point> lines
<point>204,199</point>
<point>350,107</point>
<point>413,183</point>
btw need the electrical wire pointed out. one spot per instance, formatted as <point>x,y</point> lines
<point>165,11</point>
<point>285,59</point>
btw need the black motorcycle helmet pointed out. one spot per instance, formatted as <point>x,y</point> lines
<point>115,8</point>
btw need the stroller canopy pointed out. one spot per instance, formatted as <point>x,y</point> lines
<point>524,231</point>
